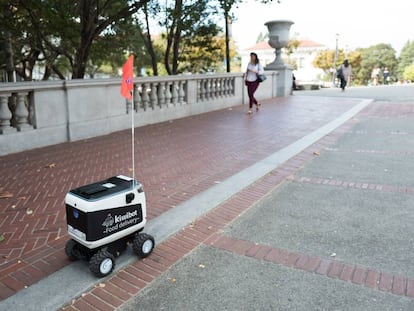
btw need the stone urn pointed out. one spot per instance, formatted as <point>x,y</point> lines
<point>278,39</point>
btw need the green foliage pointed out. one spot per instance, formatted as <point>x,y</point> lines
<point>67,36</point>
<point>406,59</point>
<point>408,74</point>
<point>381,55</point>
<point>361,60</point>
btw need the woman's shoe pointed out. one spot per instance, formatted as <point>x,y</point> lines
<point>257,107</point>
<point>249,112</point>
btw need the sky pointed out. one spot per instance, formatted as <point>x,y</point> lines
<point>356,23</point>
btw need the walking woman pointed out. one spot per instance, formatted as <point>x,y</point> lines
<point>254,68</point>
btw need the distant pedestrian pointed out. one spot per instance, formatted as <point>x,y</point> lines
<point>386,75</point>
<point>375,75</point>
<point>254,68</point>
<point>345,74</point>
<point>294,86</point>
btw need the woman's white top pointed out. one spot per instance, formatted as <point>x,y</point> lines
<point>252,75</point>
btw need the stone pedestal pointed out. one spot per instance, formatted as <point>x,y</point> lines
<point>284,79</point>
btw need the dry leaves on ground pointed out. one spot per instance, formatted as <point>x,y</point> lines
<point>6,195</point>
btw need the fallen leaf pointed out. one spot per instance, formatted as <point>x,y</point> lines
<point>316,153</point>
<point>6,195</point>
<point>333,255</point>
<point>29,211</point>
<point>102,285</point>
<point>1,238</point>
<point>51,165</point>
<point>173,280</point>
<point>201,266</point>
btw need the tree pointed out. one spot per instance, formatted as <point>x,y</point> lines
<point>184,23</point>
<point>6,42</point>
<point>56,29</point>
<point>226,6</point>
<point>361,60</point>
<point>382,55</point>
<point>77,38</point>
<point>408,74</point>
<point>153,8</point>
<point>406,59</point>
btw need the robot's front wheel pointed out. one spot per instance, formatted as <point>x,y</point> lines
<point>143,244</point>
<point>102,263</point>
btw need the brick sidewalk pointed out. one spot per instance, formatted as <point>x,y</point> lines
<point>174,160</point>
<point>208,230</point>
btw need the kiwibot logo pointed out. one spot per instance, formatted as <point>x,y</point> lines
<point>117,222</point>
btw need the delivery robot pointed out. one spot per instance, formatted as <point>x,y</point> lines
<point>103,218</point>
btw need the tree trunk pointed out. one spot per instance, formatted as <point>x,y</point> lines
<point>8,53</point>
<point>88,27</point>
<point>8,47</point>
<point>150,46</point>
<point>177,36</point>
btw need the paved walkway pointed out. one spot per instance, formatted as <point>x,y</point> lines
<point>181,161</point>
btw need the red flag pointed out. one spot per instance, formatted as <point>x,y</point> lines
<point>128,78</point>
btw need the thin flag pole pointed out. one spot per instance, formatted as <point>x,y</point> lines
<point>127,91</point>
<point>133,138</point>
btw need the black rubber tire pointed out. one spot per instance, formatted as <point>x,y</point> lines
<point>70,250</point>
<point>102,263</point>
<point>143,244</point>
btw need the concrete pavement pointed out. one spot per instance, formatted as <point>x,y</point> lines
<point>295,237</point>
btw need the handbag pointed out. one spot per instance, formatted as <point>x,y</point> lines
<point>261,77</point>
<point>339,73</point>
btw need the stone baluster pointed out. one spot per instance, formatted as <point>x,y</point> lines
<point>145,97</point>
<point>231,86</point>
<point>223,87</point>
<point>161,94</point>
<point>200,95</point>
<point>5,114</point>
<point>22,113</point>
<point>174,93</point>
<point>153,95</point>
<point>226,86</point>
<point>207,89</point>
<point>168,95</point>
<point>216,88</point>
<point>181,92</point>
<point>220,87</point>
<point>137,97</point>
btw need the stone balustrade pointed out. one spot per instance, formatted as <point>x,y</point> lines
<point>36,114</point>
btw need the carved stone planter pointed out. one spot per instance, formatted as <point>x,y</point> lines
<point>278,39</point>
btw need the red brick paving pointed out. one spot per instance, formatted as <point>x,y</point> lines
<point>213,237</point>
<point>180,159</point>
<point>174,160</point>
